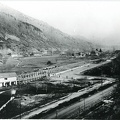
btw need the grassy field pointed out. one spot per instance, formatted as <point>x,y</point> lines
<point>28,64</point>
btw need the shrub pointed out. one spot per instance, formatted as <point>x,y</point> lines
<point>49,63</point>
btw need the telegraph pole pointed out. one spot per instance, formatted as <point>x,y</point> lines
<point>56,114</point>
<point>84,104</point>
<point>79,112</point>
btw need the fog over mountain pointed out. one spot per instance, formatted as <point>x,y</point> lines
<point>60,25</point>
<point>20,33</point>
<point>97,21</point>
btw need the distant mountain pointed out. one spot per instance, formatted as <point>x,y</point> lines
<point>94,44</point>
<point>21,33</point>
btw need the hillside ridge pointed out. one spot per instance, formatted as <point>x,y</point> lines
<point>21,33</point>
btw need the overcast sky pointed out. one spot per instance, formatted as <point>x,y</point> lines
<point>95,20</point>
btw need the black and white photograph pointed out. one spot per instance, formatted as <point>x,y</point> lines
<point>60,59</point>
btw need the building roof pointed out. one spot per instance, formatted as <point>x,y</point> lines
<point>7,75</point>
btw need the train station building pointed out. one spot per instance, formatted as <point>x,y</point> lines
<point>8,79</point>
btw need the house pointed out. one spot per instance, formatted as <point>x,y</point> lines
<point>63,53</point>
<point>1,56</point>
<point>1,60</point>
<point>8,79</point>
<point>93,53</point>
<point>49,52</point>
<point>37,54</point>
<point>14,55</point>
<point>57,52</point>
<point>82,54</point>
<point>44,51</point>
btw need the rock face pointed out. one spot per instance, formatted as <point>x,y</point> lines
<point>22,33</point>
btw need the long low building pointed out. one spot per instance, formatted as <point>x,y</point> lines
<point>8,79</point>
<point>32,76</point>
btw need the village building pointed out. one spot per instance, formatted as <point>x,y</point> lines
<point>82,54</point>
<point>2,45</point>
<point>8,79</point>
<point>93,53</point>
<point>63,53</point>
<point>1,56</point>
<point>14,55</point>
<point>37,54</point>
<point>44,51</point>
<point>49,52</point>
<point>56,52</point>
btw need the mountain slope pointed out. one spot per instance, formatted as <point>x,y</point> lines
<point>22,33</point>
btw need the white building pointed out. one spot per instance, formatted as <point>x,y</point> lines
<point>44,52</point>
<point>8,79</point>
<point>37,54</point>
<point>14,55</point>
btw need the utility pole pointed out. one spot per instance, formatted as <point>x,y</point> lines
<point>79,112</point>
<point>20,108</point>
<point>20,96</point>
<point>84,104</point>
<point>20,100</point>
<point>56,114</point>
